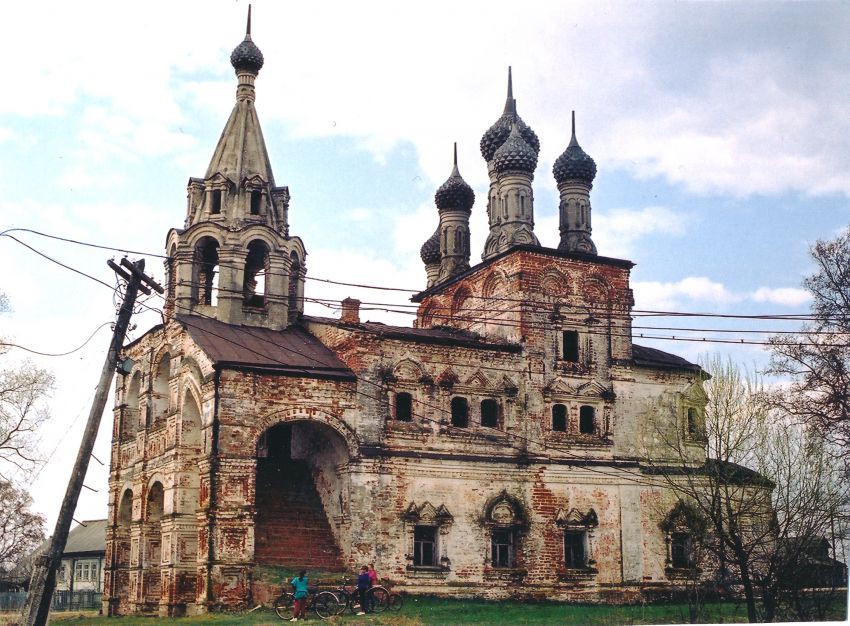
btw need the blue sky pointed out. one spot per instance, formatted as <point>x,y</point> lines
<point>720,131</point>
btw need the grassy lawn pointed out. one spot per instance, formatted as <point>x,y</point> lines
<point>424,610</point>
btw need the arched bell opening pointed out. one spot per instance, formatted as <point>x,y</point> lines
<point>205,272</point>
<point>301,496</point>
<point>256,273</point>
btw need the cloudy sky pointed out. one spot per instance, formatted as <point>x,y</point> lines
<point>720,130</point>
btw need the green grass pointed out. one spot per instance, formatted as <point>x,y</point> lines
<point>435,611</point>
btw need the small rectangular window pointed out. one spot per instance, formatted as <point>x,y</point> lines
<point>680,550</point>
<point>574,549</point>
<point>570,346</point>
<point>559,418</point>
<point>216,202</point>
<point>502,547</point>
<point>256,198</point>
<point>403,407</point>
<point>489,413</point>
<point>460,412</point>
<point>692,421</point>
<point>424,546</point>
<point>587,420</point>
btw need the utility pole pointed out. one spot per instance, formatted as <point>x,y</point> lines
<point>43,581</point>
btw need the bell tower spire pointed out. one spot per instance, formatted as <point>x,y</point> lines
<point>235,259</point>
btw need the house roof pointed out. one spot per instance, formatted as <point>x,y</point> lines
<point>89,536</point>
<point>292,351</point>
<point>723,471</point>
<point>652,357</point>
<point>443,336</point>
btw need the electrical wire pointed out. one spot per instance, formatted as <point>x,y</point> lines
<point>57,354</point>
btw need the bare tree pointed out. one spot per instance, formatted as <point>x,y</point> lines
<point>817,360</point>
<point>21,530</point>
<point>767,488</point>
<point>23,387</point>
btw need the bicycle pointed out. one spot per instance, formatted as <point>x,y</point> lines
<point>324,603</point>
<point>378,597</point>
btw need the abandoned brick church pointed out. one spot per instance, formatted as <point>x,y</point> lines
<point>500,446</point>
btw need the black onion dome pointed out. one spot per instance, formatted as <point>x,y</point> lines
<point>515,154</point>
<point>574,163</point>
<point>496,135</point>
<point>430,250</point>
<point>455,193</point>
<point>247,56</point>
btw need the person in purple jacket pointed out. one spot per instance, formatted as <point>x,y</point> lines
<point>363,584</point>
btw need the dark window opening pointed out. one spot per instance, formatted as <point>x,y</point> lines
<point>680,550</point>
<point>574,556</point>
<point>570,346</point>
<point>294,286</point>
<point>460,412</point>
<point>424,546</point>
<point>207,259</point>
<point>692,421</point>
<point>502,548</point>
<point>256,268</point>
<point>489,413</point>
<point>216,201</point>
<point>587,420</point>
<point>559,418</point>
<point>256,198</point>
<point>403,407</point>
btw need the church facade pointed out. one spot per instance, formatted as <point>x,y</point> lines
<point>500,446</point>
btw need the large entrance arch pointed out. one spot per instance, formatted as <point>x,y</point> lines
<point>301,496</point>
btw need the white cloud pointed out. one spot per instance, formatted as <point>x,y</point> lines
<point>615,232</point>
<point>783,296</point>
<point>652,295</point>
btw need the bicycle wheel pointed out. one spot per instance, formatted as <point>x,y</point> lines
<point>283,606</point>
<point>378,598</point>
<point>344,598</point>
<point>395,602</point>
<point>326,605</point>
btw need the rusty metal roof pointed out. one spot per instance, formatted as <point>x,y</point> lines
<point>443,335</point>
<point>652,357</point>
<point>292,351</point>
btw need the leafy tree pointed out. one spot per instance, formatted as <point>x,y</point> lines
<point>817,360</point>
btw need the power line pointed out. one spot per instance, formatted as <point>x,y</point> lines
<point>80,347</point>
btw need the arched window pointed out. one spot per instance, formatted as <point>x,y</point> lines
<point>161,390</point>
<point>125,509</point>
<point>295,303</point>
<point>206,270</point>
<point>684,529</point>
<point>256,269</point>
<point>403,406</point>
<point>489,413</point>
<point>559,418</point>
<point>460,412</point>
<point>506,520</point>
<point>587,420</point>
<point>130,419</point>
<point>155,504</point>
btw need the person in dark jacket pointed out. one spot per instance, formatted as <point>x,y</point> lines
<point>363,584</point>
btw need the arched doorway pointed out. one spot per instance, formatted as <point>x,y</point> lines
<point>301,496</point>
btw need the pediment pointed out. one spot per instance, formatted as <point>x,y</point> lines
<point>593,389</point>
<point>218,180</point>
<point>447,378</point>
<point>254,182</point>
<point>559,387</point>
<point>575,517</point>
<point>478,379</point>
<point>426,513</point>
<point>409,370</point>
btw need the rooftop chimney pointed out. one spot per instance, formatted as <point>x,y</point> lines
<point>350,311</point>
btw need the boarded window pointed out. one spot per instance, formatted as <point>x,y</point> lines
<point>460,412</point>
<point>574,556</point>
<point>587,420</point>
<point>424,546</point>
<point>570,346</point>
<point>559,418</point>
<point>403,407</point>
<point>489,413</point>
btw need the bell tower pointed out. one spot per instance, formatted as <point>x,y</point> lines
<point>235,260</point>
